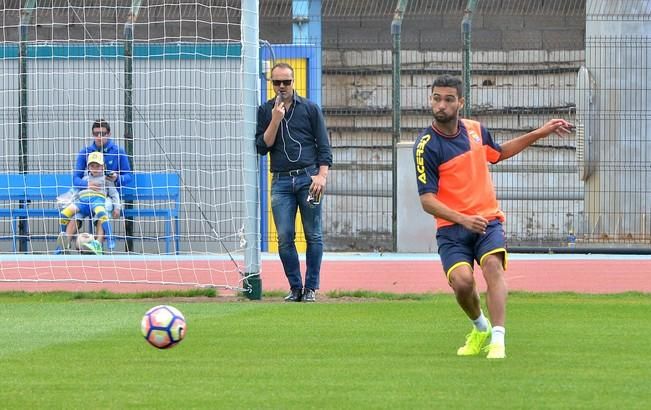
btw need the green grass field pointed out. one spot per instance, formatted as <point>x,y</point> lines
<point>564,351</point>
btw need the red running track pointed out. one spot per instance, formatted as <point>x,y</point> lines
<point>418,276</point>
<point>382,274</point>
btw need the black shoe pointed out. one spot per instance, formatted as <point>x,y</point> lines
<point>309,295</point>
<point>295,295</point>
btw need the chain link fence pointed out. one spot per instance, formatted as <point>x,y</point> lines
<point>526,58</point>
<point>524,63</point>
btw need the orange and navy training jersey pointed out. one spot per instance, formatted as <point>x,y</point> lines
<point>455,169</point>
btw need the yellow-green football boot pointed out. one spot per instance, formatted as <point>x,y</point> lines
<point>475,341</point>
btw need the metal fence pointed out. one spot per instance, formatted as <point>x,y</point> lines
<point>525,59</point>
<point>589,191</point>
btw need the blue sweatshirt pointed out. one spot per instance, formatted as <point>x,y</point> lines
<point>301,140</point>
<point>115,159</point>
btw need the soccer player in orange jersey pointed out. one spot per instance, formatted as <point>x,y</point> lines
<point>454,185</point>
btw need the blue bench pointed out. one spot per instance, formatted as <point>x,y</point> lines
<point>19,192</point>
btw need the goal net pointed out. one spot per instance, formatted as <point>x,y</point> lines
<point>170,79</point>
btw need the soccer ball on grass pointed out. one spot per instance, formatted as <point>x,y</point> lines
<point>163,326</point>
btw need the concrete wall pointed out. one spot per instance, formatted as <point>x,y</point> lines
<point>618,56</point>
<point>430,26</point>
<point>528,24</point>
<point>512,92</point>
<point>416,228</point>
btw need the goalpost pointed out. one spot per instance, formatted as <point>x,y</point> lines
<point>178,83</point>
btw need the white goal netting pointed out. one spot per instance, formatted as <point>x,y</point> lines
<point>170,79</point>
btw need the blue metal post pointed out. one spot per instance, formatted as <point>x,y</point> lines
<point>306,31</point>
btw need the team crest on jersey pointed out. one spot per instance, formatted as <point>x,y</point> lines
<point>474,135</point>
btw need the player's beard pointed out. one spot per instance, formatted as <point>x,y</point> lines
<point>442,118</point>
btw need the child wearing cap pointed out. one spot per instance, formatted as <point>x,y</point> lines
<point>90,202</point>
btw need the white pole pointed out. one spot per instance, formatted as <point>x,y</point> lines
<point>250,101</point>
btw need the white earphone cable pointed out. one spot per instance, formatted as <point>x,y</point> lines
<point>285,122</point>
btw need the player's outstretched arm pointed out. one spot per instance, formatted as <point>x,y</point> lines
<point>518,144</point>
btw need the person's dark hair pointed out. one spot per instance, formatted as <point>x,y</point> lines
<point>101,123</point>
<point>282,65</point>
<point>447,80</point>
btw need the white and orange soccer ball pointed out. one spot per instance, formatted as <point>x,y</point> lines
<point>83,239</point>
<point>163,326</point>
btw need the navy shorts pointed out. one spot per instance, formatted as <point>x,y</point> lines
<point>458,245</point>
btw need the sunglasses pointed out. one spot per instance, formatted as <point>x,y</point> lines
<point>283,82</point>
<point>100,133</point>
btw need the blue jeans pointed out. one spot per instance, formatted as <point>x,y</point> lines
<point>289,193</point>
